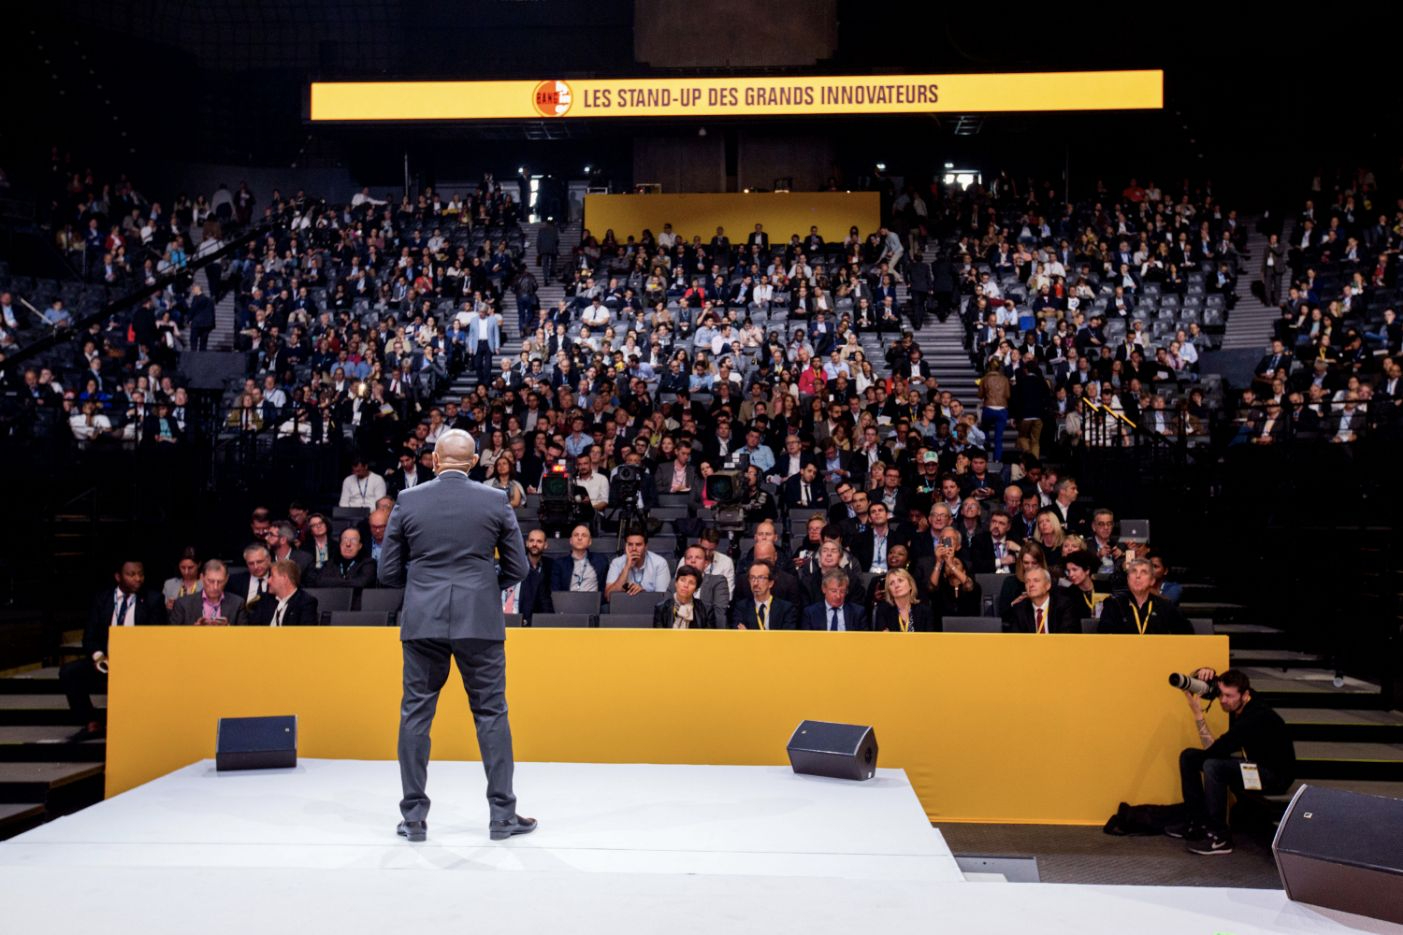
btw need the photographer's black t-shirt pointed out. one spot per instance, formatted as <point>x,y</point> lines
<point>1261,733</point>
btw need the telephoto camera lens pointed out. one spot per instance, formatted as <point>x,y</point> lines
<point>1195,686</point>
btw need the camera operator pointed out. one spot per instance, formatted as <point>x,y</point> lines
<point>1207,774</point>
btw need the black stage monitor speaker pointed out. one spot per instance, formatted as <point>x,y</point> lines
<point>256,743</point>
<point>1342,850</point>
<point>842,751</point>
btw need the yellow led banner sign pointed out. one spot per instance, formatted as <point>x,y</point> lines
<point>721,97</point>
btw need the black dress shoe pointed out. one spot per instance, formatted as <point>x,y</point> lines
<point>413,830</point>
<point>89,732</point>
<point>501,830</point>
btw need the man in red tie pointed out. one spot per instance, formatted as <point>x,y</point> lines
<point>1043,609</point>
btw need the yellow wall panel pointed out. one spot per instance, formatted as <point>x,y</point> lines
<point>1016,728</point>
<point>782,213</point>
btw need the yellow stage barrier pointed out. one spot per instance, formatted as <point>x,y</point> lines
<point>782,213</point>
<point>998,728</point>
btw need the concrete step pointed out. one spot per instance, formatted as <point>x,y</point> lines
<point>1344,724</point>
<point>1349,760</point>
<point>34,682</point>
<point>19,817</point>
<point>33,743</point>
<point>51,709</point>
<point>59,787</point>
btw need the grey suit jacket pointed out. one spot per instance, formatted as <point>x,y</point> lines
<point>662,477</point>
<point>439,548</point>
<point>190,608</point>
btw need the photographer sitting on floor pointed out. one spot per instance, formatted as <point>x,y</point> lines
<point>1254,729</point>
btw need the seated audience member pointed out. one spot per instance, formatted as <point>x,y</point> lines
<point>713,591</point>
<point>902,610</point>
<point>805,489</point>
<point>126,604</point>
<point>286,605</point>
<point>282,540</point>
<point>717,562</point>
<point>1136,610</point>
<point>948,586</point>
<point>761,609</point>
<point>1042,609</point>
<point>683,610</point>
<point>377,523</point>
<point>351,568</point>
<point>318,540</point>
<point>186,581</point>
<point>213,605</point>
<point>250,583</point>
<point>899,558</point>
<point>532,594</point>
<point>991,550</point>
<point>581,570</point>
<point>1169,590</point>
<point>638,569</point>
<point>833,612</point>
<point>362,487</point>
<point>1078,568</point>
<point>831,557</point>
<point>870,547</point>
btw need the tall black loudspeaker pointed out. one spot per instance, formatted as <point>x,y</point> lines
<point>1342,850</point>
<point>842,751</point>
<point>256,743</point>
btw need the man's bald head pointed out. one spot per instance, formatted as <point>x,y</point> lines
<point>454,451</point>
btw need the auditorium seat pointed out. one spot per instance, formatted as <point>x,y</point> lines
<point>512,620</point>
<point>332,599</point>
<point>990,584</point>
<point>359,618</point>
<point>386,599</point>
<point>557,546</point>
<point>350,512</point>
<point>629,621</point>
<point>576,621</point>
<point>1203,626</point>
<point>575,602</point>
<point>973,625</point>
<point>641,603</point>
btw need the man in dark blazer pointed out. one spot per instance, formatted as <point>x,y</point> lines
<point>759,238</point>
<point>350,569</point>
<point>286,605</point>
<point>834,612</point>
<point>126,604</point>
<point>879,536</point>
<point>805,489</point>
<point>532,594</point>
<point>212,605</point>
<point>562,569</point>
<point>1137,611</point>
<point>1045,610</point>
<point>762,610</point>
<point>454,546</point>
<point>409,474</point>
<point>282,538</point>
<point>681,464</point>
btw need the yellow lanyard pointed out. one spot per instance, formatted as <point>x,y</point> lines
<point>759,616</point>
<point>1090,604</point>
<point>1149,609</point>
<point>904,621</point>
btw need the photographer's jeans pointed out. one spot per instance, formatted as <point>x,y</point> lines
<point>1206,782</point>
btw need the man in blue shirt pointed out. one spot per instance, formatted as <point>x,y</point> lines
<point>484,338</point>
<point>760,455</point>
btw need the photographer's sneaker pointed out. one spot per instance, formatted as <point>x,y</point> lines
<point>1211,843</point>
<point>1185,830</point>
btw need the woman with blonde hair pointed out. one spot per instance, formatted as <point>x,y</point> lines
<point>902,611</point>
<point>1050,533</point>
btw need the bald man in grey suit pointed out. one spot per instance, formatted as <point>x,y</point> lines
<point>439,547</point>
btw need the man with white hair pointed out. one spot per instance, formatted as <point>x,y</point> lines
<point>453,545</point>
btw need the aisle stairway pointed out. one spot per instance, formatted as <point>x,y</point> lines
<point>1250,323</point>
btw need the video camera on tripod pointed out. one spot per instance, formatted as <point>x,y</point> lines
<point>564,504</point>
<point>726,488</point>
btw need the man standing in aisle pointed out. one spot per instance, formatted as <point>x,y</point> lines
<point>440,548</point>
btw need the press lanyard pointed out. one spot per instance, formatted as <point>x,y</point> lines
<point>1142,624</point>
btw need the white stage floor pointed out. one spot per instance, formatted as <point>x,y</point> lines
<point>676,849</point>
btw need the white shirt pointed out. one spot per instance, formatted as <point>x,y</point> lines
<point>597,486</point>
<point>282,609</point>
<point>1046,608</point>
<point>253,588</point>
<point>362,492</point>
<point>582,577</point>
<point>653,576</point>
<point>129,618</point>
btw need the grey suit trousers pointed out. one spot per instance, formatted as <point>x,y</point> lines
<point>483,666</point>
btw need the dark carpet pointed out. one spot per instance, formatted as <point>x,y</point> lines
<point>1086,855</point>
